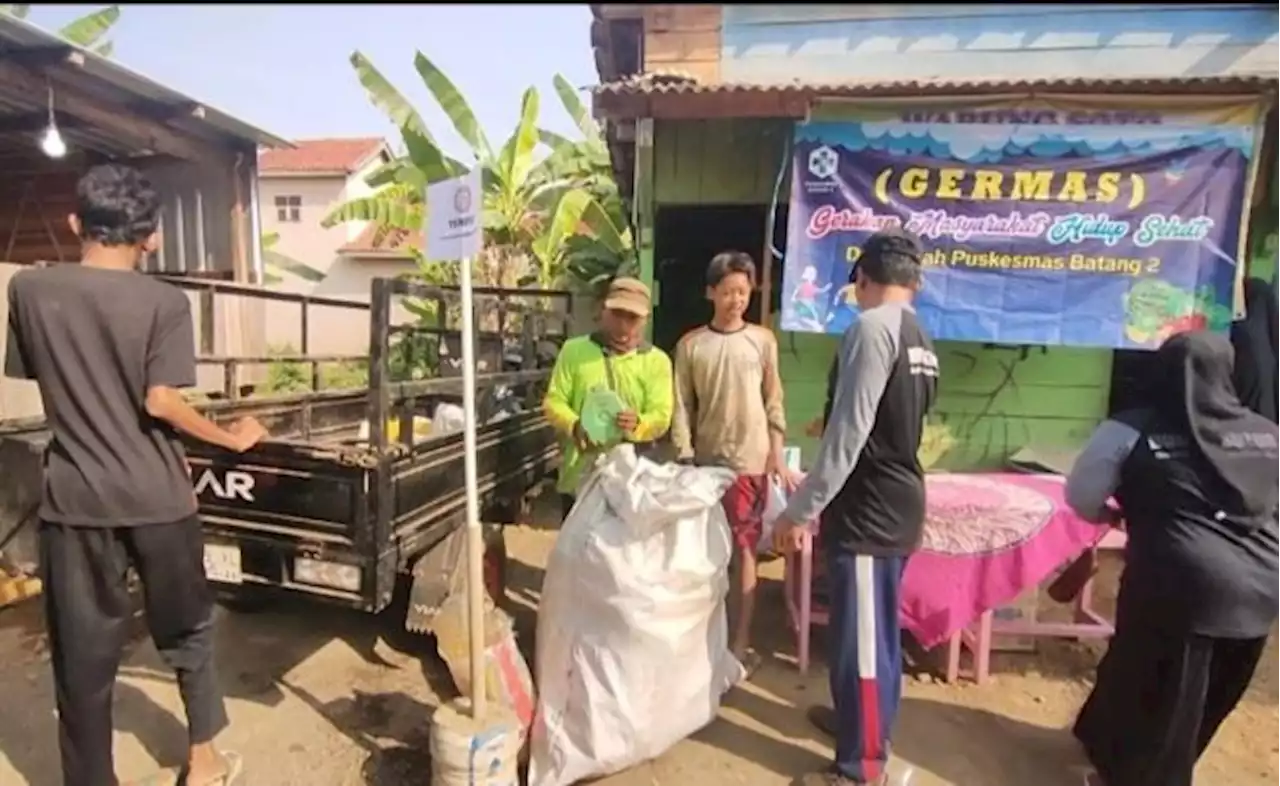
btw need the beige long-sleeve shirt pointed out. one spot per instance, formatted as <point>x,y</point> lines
<point>728,397</point>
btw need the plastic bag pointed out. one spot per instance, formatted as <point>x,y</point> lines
<point>599,416</point>
<point>632,643</point>
<point>774,504</point>
<point>448,417</point>
<point>508,681</point>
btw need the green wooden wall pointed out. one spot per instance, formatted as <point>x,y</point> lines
<point>992,401</point>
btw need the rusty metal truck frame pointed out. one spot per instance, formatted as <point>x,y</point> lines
<point>359,511</point>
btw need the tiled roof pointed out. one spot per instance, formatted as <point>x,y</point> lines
<point>383,240</point>
<point>321,155</point>
<point>676,83</point>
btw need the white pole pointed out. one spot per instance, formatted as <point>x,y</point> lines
<point>475,538</point>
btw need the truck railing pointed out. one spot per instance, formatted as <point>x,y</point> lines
<point>387,395</point>
<point>208,289</point>
<point>497,309</point>
<point>381,327</point>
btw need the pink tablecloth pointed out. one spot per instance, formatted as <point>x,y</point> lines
<point>987,538</point>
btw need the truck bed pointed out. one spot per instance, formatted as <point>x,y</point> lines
<point>314,490</point>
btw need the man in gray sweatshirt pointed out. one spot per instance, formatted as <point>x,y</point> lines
<point>866,488</point>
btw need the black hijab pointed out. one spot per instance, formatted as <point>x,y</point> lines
<point>1193,391</point>
<point>1255,340</point>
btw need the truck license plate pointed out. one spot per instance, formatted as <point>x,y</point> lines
<point>222,563</point>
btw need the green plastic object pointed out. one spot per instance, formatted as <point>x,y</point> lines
<point>599,416</point>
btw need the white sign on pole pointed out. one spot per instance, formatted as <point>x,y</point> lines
<point>454,230</point>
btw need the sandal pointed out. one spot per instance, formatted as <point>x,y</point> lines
<point>822,718</point>
<point>751,663</point>
<point>235,768</point>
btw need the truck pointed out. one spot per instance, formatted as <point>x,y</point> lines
<point>347,494</point>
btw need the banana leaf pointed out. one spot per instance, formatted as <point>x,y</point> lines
<point>91,28</point>
<point>388,208</point>
<point>516,159</point>
<point>455,106</point>
<point>421,145</point>
<point>576,109</point>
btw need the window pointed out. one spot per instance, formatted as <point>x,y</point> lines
<point>289,209</point>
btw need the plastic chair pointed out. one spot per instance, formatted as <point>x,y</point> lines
<point>798,588</point>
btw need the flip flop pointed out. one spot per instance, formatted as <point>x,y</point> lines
<point>822,718</point>
<point>235,768</point>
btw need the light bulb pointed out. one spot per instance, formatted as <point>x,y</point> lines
<point>51,142</point>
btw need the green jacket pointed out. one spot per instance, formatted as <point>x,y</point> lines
<point>643,381</point>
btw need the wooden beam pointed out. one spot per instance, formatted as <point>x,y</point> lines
<point>43,56</point>
<point>635,11</point>
<point>79,102</point>
<point>600,34</point>
<point>34,122</point>
<point>164,112</point>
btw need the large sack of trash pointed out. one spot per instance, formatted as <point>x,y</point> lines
<point>632,646</point>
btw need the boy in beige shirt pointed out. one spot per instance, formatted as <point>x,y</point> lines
<point>729,413</point>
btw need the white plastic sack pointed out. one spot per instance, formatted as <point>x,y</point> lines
<point>447,418</point>
<point>632,647</point>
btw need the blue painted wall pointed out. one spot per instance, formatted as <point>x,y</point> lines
<point>846,43</point>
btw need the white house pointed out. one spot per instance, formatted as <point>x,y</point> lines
<point>297,189</point>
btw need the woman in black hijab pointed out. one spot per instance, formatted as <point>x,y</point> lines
<point>1255,339</point>
<point>1194,472</point>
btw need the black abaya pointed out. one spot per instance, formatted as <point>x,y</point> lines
<point>1160,697</point>
<point>1200,589</point>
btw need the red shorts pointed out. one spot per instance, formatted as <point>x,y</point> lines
<point>744,508</point>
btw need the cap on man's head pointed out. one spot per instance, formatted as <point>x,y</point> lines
<point>629,295</point>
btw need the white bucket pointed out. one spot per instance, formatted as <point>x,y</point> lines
<point>470,752</point>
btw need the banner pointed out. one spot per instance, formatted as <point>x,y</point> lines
<point>1042,224</point>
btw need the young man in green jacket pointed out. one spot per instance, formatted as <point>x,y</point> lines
<point>615,357</point>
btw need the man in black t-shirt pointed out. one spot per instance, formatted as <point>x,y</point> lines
<point>110,347</point>
<point>866,488</point>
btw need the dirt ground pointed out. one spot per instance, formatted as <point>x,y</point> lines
<point>322,697</point>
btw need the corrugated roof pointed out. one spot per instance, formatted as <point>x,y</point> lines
<point>17,35</point>
<point>345,155</point>
<point>675,83</point>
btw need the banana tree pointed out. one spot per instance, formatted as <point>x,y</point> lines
<point>608,248</point>
<point>88,31</point>
<point>521,191</point>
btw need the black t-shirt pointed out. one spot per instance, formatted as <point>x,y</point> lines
<point>95,340</point>
<point>867,485</point>
<point>1187,565</point>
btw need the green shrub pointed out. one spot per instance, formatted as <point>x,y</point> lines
<point>288,376</point>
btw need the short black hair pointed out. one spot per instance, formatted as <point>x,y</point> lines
<point>117,206</point>
<point>891,257</point>
<point>726,263</point>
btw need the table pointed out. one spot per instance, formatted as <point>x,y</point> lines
<point>976,638</point>
<point>1031,532</point>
